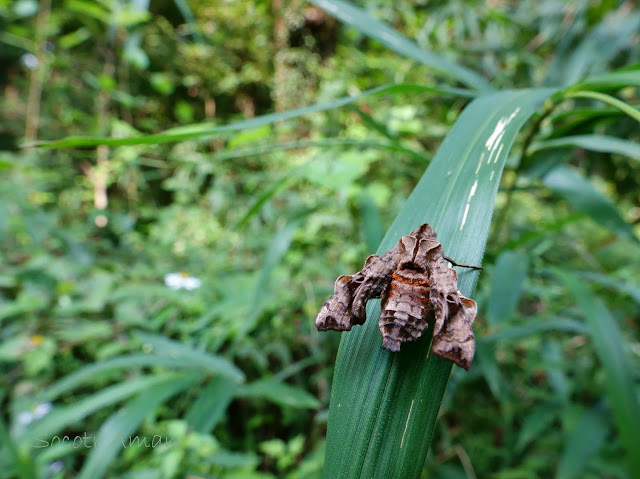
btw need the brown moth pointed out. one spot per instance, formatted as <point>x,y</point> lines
<point>417,288</point>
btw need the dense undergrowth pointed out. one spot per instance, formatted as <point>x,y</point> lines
<point>163,288</point>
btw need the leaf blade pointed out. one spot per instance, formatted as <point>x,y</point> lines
<point>200,130</point>
<point>576,190</point>
<point>600,143</point>
<point>387,36</point>
<point>621,390</point>
<point>396,396</point>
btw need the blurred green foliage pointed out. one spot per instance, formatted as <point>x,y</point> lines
<point>232,374</point>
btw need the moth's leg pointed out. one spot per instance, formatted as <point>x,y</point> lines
<point>461,265</point>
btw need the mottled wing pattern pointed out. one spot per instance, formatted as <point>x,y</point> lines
<point>418,288</point>
<point>455,340</point>
<point>347,306</point>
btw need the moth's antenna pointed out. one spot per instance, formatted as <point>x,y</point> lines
<point>462,265</point>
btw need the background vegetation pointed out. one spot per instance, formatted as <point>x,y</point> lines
<point>261,214</point>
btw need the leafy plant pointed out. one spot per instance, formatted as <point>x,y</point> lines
<point>215,206</point>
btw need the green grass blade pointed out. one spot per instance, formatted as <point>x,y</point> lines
<point>614,30</point>
<point>583,442</point>
<point>279,393</point>
<point>506,286</point>
<point>371,223</point>
<point>384,405</point>
<point>13,460</point>
<point>608,99</point>
<point>277,248</point>
<point>600,143</point>
<point>515,333</point>
<point>621,286</point>
<point>610,81</point>
<point>201,130</point>
<point>326,143</point>
<point>387,36</point>
<point>198,359</point>
<point>585,198</point>
<point>619,371</point>
<point>115,433</point>
<point>62,416</point>
<point>90,372</point>
<point>211,404</point>
<point>535,423</point>
<point>265,196</point>
<point>189,19</point>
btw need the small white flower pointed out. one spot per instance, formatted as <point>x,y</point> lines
<point>39,411</point>
<point>182,281</point>
<point>30,61</point>
<point>24,418</point>
<point>56,466</point>
<point>42,409</point>
<point>64,301</point>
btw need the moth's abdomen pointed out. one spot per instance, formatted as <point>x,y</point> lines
<point>405,307</point>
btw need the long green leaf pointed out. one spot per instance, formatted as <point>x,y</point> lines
<point>619,371</point>
<point>61,416</point>
<point>211,404</point>
<point>279,393</point>
<point>611,80</point>
<point>200,130</point>
<point>115,433</point>
<point>198,359</point>
<point>384,405</point>
<point>360,19</point>
<point>622,286</point>
<point>583,443</point>
<point>512,333</point>
<point>88,373</point>
<point>585,198</point>
<point>608,99</point>
<point>506,286</point>
<point>601,143</point>
<point>277,248</point>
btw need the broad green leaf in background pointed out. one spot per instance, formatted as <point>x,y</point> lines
<point>485,361</point>
<point>201,130</point>
<point>512,333</point>
<point>384,405</point>
<point>276,250</point>
<point>506,286</point>
<point>633,290</point>
<point>190,20</point>
<point>615,31</point>
<point>90,372</point>
<point>601,143</point>
<point>211,404</point>
<point>279,393</point>
<point>582,443</point>
<point>619,375</point>
<point>232,459</point>
<point>326,143</point>
<point>608,99</point>
<point>610,81</point>
<point>377,30</point>
<point>161,346</point>
<point>371,222</point>
<point>583,197</point>
<point>556,370</point>
<point>117,431</point>
<point>535,423</point>
<point>62,416</point>
<point>11,458</point>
